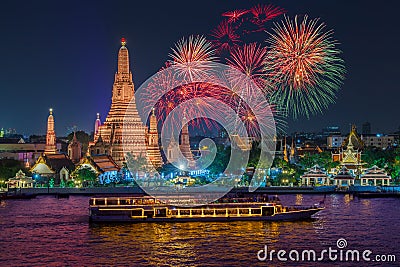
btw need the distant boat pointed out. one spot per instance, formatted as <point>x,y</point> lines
<point>148,209</point>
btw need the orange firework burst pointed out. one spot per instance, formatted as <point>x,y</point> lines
<point>303,64</point>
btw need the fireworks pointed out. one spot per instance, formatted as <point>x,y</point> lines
<point>263,13</point>
<point>249,59</point>
<point>225,37</point>
<point>235,15</point>
<point>190,55</point>
<point>304,65</point>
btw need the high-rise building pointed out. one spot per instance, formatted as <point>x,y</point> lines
<point>122,120</point>
<point>51,147</point>
<point>366,128</point>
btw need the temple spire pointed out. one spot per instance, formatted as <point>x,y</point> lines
<point>97,125</point>
<point>153,150</point>
<point>50,135</point>
<point>185,143</point>
<point>123,58</point>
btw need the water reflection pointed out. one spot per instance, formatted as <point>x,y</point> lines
<point>49,232</point>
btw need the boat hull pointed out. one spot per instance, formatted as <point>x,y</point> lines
<point>284,216</point>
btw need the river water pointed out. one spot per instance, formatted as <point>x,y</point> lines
<point>47,231</point>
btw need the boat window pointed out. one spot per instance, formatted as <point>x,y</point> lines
<point>220,211</point>
<point>196,212</point>
<point>161,212</point>
<point>112,202</point>
<point>268,211</point>
<point>255,211</point>
<point>174,212</point>
<point>208,212</point>
<point>232,211</point>
<point>100,202</point>
<point>243,211</point>
<point>185,212</point>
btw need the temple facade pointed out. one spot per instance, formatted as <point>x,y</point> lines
<point>120,116</point>
<point>349,155</point>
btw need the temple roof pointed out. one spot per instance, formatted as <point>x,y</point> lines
<point>55,162</point>
<point>375,173</point>
<point>102,163</point>
<point>353,140</point>
<point>315,172</point>
<point>344,174</point>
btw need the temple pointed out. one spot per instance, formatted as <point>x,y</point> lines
<point>349,155</point>
<point>185,144</point>
<point>51,147</point>
<point>110,134</point>
<point>153,150</point>
<point>75,150</point>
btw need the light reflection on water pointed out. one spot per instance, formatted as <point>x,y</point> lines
<point>53,232</point>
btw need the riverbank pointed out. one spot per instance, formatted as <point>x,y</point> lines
<point>138,191</point>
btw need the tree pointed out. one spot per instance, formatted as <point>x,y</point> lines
<point>85,175</point>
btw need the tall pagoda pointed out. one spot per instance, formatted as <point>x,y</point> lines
<point>153,150</point>
<point>120,116</point>
<point>51,147</point>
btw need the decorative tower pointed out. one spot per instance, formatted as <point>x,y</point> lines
<point>172,150</point>
<point>153,151</point>
<point>75,150</point>
<point>97,125</point>
<point>292,157</point>
<point>51,135</point>
<point>285,154</point>
<point>185,144</point>
<point>119,116</point>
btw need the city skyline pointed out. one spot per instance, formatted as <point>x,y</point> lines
<point>65,59</point>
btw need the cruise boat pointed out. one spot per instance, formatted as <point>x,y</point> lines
<point>149,209</point>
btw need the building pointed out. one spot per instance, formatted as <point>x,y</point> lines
<point>120,116</point>
<point>104,166</point>
<point>29,153</point>
<point>308,148</point>
<point>50,135</point>
<point>366,128</point>
<point>315,176</point>
<point>53,166</point>
<point>335,141</point>
<point>343,178</point>
<point>153,149</point>
<point>20,181</point>
<point>75,150</point>
<point>375,176</point>
<point>378,140</point>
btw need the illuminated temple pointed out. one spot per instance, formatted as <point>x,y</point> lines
<point>109,137</point>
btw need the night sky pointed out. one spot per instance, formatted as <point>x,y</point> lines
<point>63,54</point>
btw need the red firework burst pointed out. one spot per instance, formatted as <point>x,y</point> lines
<point>225,37</point>
<point>235,15</point>
<point>263,13</point>
<point>250,60</point>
